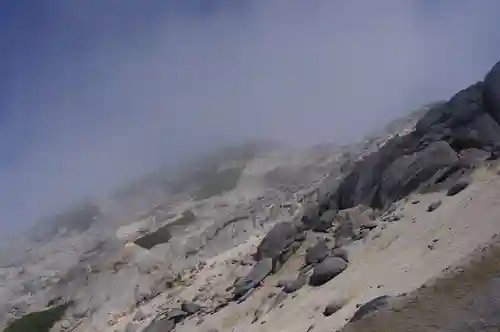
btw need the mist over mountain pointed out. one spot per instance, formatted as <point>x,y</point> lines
<point>94,96</point>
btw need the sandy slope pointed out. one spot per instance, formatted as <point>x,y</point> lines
<point>394,260</point>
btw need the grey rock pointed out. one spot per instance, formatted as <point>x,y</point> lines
<point>325,222</point>
<point>327,270</point>
<point>406,173</point>
<point>332,308</point>
<point>293,286</point>
<point>456,188</point>
<point>341,253</point>
<point>491,96</point>
<point>433,206</point>
<point>190,307</point>
<point>317,253</point>
<point>370,307</point>
<point>278,241</point>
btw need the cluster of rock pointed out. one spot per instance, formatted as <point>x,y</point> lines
<point>447,142</point>
<point>449,138</point>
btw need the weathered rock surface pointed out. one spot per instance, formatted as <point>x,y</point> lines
<point>160,236</point>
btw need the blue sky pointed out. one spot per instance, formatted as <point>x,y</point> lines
<point>94,93</point>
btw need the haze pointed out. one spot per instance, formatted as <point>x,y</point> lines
<point>95,93</point>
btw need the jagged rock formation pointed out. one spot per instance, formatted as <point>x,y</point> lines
<point>467,121</point>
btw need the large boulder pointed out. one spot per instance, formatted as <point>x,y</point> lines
<point>348,222</point>
<point>491,92</point>
<point>282,240</point>
<point>482,132</point>
<point>408,172</point>
<point>256,275</point>
<point>327,270</point>
<point>317,253</point>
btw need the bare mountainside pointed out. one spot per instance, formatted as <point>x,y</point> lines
<point>361,237</point>
<point>147,234</point>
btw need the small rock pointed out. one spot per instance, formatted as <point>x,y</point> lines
<point>456,188</point>
<point>332,308</point>
<point>433,206</point>
<point>416,201</point>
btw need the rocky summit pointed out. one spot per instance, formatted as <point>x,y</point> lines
<point>398,232</point>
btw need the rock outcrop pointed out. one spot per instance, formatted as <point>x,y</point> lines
<point>469,120</point>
